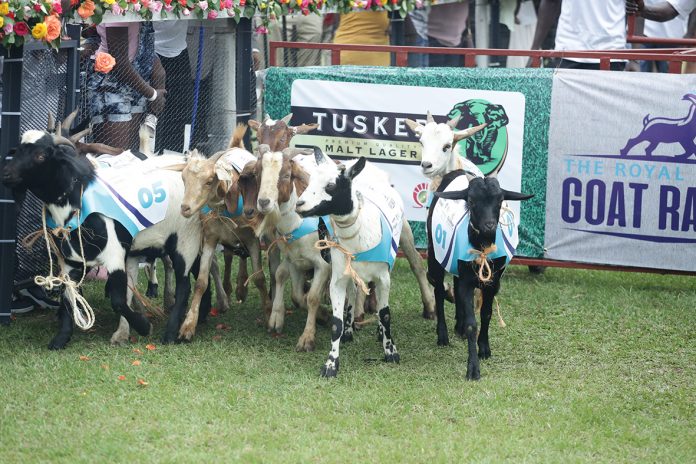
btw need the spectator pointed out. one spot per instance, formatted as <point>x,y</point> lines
<point>118,99</point>
<point>583,25</point>
<point>417,35</point>
<point>522,31</point>
<point>369,28</point>
<point>170,46</point>
<point>660,11</point>
<point>674,28</point>
<point>446,25</point>
<point>299,28</point>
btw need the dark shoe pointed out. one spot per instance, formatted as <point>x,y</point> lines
<point>21,305</point>
<point>39,297</point>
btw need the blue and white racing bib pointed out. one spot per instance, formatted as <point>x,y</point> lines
<point>450,235</point>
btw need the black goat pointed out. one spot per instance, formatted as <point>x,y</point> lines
<point>474,249</point>
<point>49,166</point>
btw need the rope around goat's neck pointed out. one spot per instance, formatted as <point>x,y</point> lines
<point>326,244</point>
<point>482,261</point>
<point>82,312</point>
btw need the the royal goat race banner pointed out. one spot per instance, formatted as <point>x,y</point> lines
<point>362,119</point>
<point>621,185</point>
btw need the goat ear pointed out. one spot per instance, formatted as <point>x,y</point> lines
<point>231,197</point>
<point>300,178</point>
<point>254,124</point>
<point>51,122</point>
<point>456,195</point>
<point>222,174</point>
<point>304,128</point>
<point>429,117</point>
<point>415,127</point>
<point>508,195</point>
<point>319,155</point>
<point>466,133</point>
<point>356,169</point>
<point>287,119</point>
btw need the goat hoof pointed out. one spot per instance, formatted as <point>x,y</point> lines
<point>58,343</point>
<point>430,315</point>
<point>168,339</point>
<point>305,344</point>
<point>473,372</point>
<point>327,371</point>
<point>152,290</point>
<point>347,337</point>
<point>392,358</point>
<point>484,352</point>
<point>443,341</point>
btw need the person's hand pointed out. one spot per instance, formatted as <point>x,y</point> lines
<point>157,106</point>
<point>635,7</point>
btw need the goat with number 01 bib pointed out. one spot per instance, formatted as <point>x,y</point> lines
<point>469,237</point>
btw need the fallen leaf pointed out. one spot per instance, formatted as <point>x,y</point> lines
<point>277,335</point>
<point>137,351</point>
<point>133,339</point>
<point>150,347</point>
<point>217,337</point>
<point>143,383</point>
<point>121,377</point>
<point>214,312</point>
<point>289,312</point>
<point>84,358</point>
<point>136,363</point>
<point>105,366</point>
<point>222,327</point>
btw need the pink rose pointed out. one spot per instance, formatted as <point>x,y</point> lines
<point>230,13</point>
<point>57,8</point>
<point>116,9</point>
<point>226,4</point>
<point>155,7</point>
<point>145,3</point>
<point>261,30</point>
<point>203,5</point>
<point>168,8</point>
<point>212,14</point>
<point>136,7</point>
<point>186,12</point>
<point>7,29</point>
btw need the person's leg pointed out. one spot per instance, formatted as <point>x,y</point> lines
<point>177,109</point>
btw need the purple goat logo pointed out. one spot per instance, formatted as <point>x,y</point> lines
<point>666,130</point>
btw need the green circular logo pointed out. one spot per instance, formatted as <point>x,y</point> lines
<point>488,148</point>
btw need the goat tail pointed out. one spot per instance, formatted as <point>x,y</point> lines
<point>144,135</point>
<point>237,140</point>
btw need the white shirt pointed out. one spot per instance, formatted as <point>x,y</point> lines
<point>591,25</point>
<point>683,7</point>
<point>674,29</point>
<point>170,37</point>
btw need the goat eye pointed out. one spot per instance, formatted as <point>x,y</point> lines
<point>40,157</point>
<point>331,186</point>
<point>446,147</point>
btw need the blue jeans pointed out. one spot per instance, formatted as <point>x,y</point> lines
<point>439,61</point>
<point>419,60</point>
<point>646,66</point>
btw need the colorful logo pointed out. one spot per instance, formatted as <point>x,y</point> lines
<point>487,148</point>
<point>420,194</point>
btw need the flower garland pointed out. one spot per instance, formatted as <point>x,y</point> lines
<point>21,20</point>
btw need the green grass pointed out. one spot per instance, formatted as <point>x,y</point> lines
<point>592,367</point>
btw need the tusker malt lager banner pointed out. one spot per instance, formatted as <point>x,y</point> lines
<point>621,183</point>
<point>363,119</point>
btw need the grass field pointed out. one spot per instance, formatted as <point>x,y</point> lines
<point>592,367</point>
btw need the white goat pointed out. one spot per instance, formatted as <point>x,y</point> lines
<point>366,215</point>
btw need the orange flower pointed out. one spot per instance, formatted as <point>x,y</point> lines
<point>104,62</point>
<point>142,383</point>
<point>150,347</point>
<point>86,10</point>
<point>84,358</point>
<point>53,28</point>
<point>121,377</point>
<point>137,351</point>
<point>136,363</point>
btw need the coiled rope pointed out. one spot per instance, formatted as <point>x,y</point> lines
<point>327,244</point>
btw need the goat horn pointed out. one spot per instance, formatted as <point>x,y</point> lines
<point>429,117</point>
<point>214,159</point>
<point>294,151</point>
<point>287,119</point>
<point>319,156</point>
<point>79,135</point>
<point>60,140</point>
<point>68,121</point>
<point>51,122</point>
<point>453,122</point>
<point>266,117</point>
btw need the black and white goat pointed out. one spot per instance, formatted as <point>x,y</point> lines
<point>48,166</point>
<point>473,240</point>
<point>366,215</point>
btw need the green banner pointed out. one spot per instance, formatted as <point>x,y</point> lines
<point>535,84</point>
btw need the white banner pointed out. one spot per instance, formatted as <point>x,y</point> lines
<point>357,119</point>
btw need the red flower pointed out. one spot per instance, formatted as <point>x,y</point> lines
<point>242,2</point>
<point>21,28</point>
<point>11,15</point>
<point>37,7</point>
<point>74,2</point>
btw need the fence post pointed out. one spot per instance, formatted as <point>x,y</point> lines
<point>244,74</point>
<point>11,105</point>
<point>73,70</point>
